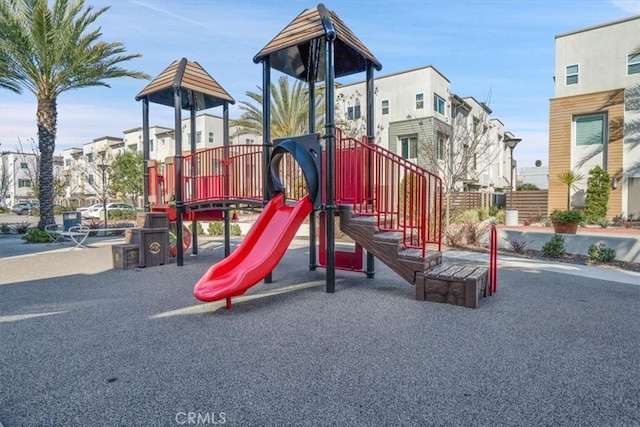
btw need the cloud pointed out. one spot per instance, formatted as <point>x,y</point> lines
<point>632,6</point>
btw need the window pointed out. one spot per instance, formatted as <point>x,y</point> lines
<point>199,137</point>
<point>572,74</point>
<point>440,146</point>
<point>633,64</point>
<point>409,146</point>
<point>248,141</point>
<point>590,130</point>
<point>419,101</point>
<point>90,158</point>
<point>475,125</point>
<point>385,106</point>
<point>24,166</point>
<point>24,183</point>
<point>67,181</point>
<point>210,137</point>
<point>353,112</point>
<point>438,104</point>
<point>67,162</point>
<point>151,145</point>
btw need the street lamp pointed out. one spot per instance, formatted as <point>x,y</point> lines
<point>511,143</point>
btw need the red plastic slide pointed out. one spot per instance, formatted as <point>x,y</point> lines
<point>258,254</point>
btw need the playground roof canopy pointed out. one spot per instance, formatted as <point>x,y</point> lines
<point>292,51</point>
<point>186,76</point>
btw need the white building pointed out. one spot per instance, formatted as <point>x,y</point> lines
<point>418,118</point>
<point>595,115</point>
<point>18,173</point>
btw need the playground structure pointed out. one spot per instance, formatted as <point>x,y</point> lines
<point>388,205</point>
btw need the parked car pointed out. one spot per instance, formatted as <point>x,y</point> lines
<point>24,208</point>
<point>98,212</point>
<point>85,210</point>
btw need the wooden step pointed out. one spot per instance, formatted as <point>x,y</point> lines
<point>457,284</point>
<point>387,246</point>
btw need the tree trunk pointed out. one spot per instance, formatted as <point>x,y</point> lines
<point>47,120</point>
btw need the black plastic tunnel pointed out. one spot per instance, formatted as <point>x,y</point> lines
<point>305,149</point>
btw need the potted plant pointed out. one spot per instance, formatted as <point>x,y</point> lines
<point>566,221</point>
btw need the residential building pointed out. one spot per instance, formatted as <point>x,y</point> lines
<point>418,118</point>
<point>19,174</point>
<point>594,116</point>
<point>538,176</point>
<point>83,167</point>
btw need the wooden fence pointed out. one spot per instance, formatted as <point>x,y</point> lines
<point>531,205</point>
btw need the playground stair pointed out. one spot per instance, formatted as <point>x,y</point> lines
<point>457,284</point>
<point>387,246</point>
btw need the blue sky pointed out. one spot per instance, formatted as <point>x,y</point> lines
<point>499,51</point>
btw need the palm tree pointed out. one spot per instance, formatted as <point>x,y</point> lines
<point>570,179</point>
<point>48,51</point>
<point>289,110</point>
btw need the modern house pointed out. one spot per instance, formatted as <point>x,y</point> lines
<point>594,117</point>
<point>83,167</point>
<point>18,174</point>
<point>418,118</point>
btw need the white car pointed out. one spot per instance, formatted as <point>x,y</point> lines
<point>84,211</point>
<point>98,210</point>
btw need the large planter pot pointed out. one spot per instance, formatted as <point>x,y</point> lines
<point>566,228</point>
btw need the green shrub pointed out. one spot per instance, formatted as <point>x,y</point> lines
<point>235,230</point>
<point>527,187</point>
<point>5,228</point>
<point>199,229</point>
<point>500,216</point>
<point>599,252</point>
<point>554,248</point>
<point>35,235</point>
<point>215,228</point>
<point>122,214</point>
<point>604,222</point>
<point>564,217</point>
<point>493,210</point>
<point>482,214</point>
<point>598,189</point>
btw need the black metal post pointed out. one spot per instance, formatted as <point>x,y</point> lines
<point>225,143</point>
<point>266,134</point>
<point>330,135</point>
<point>192,117</point>
<point>145,153</point>
<point>371,135</point>
<point>312,216</point>
<point>177,97</point>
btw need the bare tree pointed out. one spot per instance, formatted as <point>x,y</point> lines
<point>351,117</point>
<point>461,148</point>
<point>94,170</point>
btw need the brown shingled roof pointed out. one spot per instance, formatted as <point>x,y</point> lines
<point>188,76</point>
<point>290,50</point>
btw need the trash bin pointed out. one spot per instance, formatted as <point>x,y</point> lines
<point>69,219</point>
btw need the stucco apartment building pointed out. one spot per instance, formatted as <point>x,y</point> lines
<point>417,117</point>
<point>594,116</point>
<point>82,170</point>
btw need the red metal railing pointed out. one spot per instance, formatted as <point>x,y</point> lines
<point>401,195</point>
<point>493,260</point>
<point>222,173</point>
